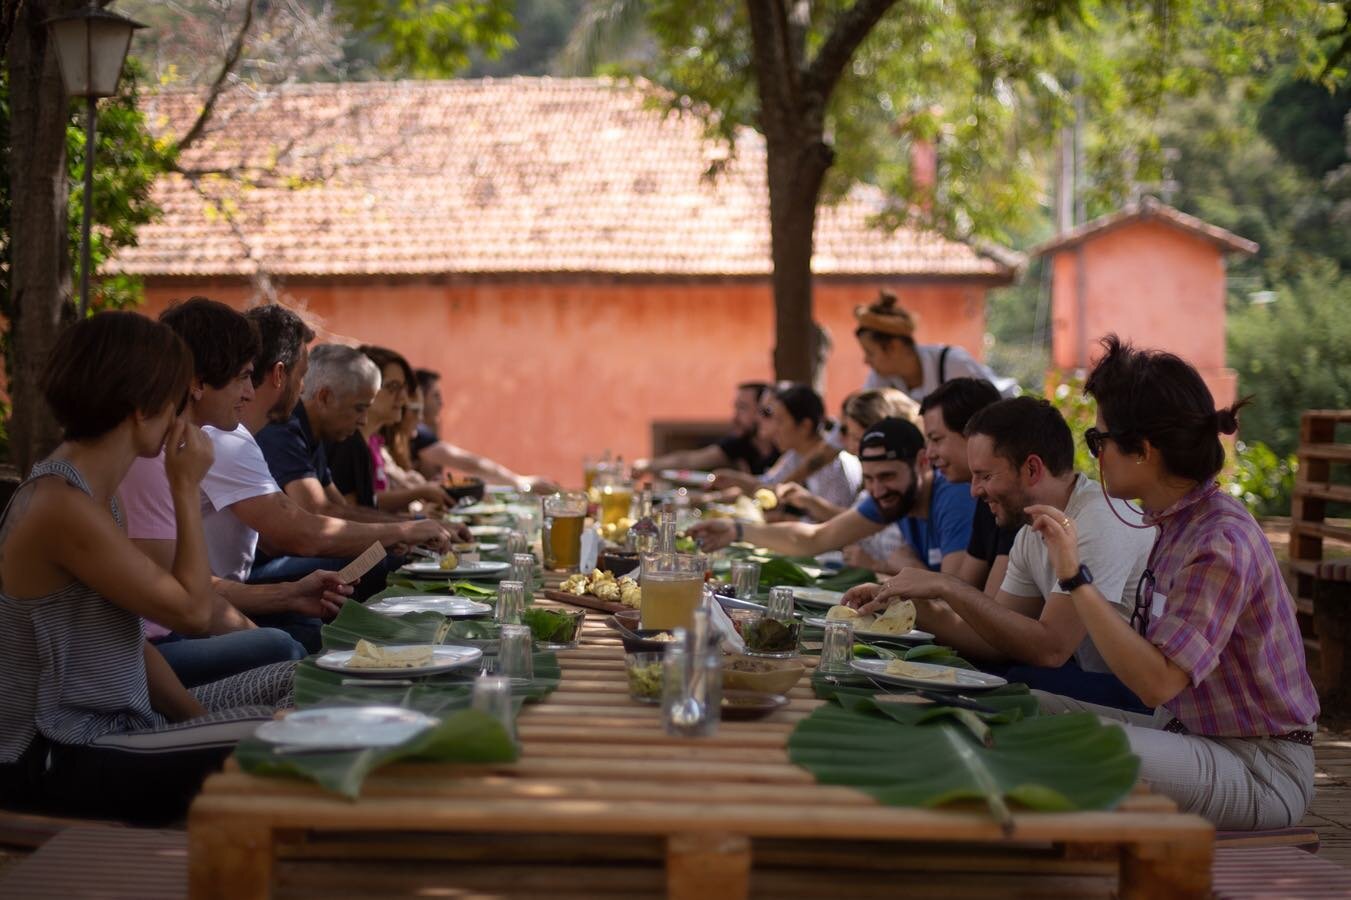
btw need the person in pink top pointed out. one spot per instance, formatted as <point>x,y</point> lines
<point>1213,644</point>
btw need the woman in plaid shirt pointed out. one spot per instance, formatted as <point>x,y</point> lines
<point>1213,644</point>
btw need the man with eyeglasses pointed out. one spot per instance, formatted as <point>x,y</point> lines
<point>1021,453</point>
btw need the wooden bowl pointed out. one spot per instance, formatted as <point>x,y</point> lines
<point>741,705</point>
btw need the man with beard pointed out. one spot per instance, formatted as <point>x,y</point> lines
<point>933,515</point>
<point>1021,453</point>
<point>742,449</point>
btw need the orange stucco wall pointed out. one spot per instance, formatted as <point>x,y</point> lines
<point>1151,283</point>
<point>539,373</point>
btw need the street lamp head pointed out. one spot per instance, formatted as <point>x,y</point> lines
<point>91,45</point>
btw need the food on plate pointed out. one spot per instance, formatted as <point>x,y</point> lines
<point>373,656</point>
<point>903,669</point>
<point>898,618</point>
<point>468,553</point>
<point>605,586</point>
<point>765,498</point>
<point>450,560</point>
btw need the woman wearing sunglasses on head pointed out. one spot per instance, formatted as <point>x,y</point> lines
<point>1213,644</point>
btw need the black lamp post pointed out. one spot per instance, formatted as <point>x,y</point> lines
<point>91,45</point>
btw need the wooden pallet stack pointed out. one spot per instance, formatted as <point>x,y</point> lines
<point>1322,585</point>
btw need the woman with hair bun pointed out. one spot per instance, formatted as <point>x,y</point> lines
<point>1213,644</point>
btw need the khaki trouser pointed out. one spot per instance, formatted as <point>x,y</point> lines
<point>1240,784</point>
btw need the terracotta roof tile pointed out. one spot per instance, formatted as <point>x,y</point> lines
<point>1148,209</point>
<point>522,175</point>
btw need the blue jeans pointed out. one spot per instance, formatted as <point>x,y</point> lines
<point>198,661</point>
<point>1102,688</point>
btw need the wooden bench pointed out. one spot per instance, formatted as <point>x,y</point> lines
<point>603,799</point>
<point>1323,586</point>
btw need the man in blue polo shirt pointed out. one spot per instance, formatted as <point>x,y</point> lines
<point>932,514</point>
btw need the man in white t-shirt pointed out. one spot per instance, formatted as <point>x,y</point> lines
<point>1021,453</point>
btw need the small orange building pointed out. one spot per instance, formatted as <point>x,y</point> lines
<point>1151,274</point>
<point>558,249</point>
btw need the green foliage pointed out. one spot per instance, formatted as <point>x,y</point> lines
<point>1081,412</point>
<point>430,38</point>
<point>1262,480</point>
<point>542,27</point>
<point>1293,354</point>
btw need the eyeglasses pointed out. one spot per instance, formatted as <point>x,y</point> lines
<point>1094,438</point>
<point>1144,595</point>
<point>766,412</point>
<point>394,387</point>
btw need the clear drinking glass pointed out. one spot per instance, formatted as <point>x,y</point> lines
<point>746,579</point>
<point>837,646</point>
<point>780,604</point>
<point>564,515</point>
<point>691,691</point>
<point>523,569</point>
<point>492,695</point>
<point>510,602</point>
<point>616,497</point>
<point>673,588</point>
<point>515,654</point>
<point>517,542</point>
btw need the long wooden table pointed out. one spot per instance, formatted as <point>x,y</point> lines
<point>603,803</point>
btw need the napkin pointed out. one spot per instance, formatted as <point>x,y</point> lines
<point>722,623</point>
<point>590,551</point>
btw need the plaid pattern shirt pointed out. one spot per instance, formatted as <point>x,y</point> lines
<point>1228,620</point>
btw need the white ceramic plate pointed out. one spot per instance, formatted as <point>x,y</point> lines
<point>469,570</point>
<point>482,531</point>
<point>446,604</point>
<point>967,679</point>
<point>817,596</point>
<point>346,727</point>
<point>444,658</point>
<point>481,509</point>
<point>913,636</point>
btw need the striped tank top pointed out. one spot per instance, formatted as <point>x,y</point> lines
<point>71,663</point>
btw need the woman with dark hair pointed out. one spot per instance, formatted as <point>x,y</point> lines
<point>792,419</point>
<point>1213,644</point>
<point>92,719</point>
<point>886,334</point>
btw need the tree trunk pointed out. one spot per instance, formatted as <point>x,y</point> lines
<point>796,166</point>
<point>40,303</point>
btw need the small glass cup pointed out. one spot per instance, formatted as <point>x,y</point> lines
<point>780,604</point>
<point>515,655</point>
<point>523,569</point>
<point>691,692</point>
<point>517,542</point>
<point>510,602</point>
<point>492,695</point>
<point>766,635</point>
<point>645,676</point>
<point>564,515</point>
<point>837,647</point>
<point>555,629</point>
<point>745,579</point>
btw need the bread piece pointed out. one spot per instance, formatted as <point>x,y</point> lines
<point>899,618</point>
<point>373,656</point>
<point>940,674</point>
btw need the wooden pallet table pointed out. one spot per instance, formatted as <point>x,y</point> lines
<point>603,803</point>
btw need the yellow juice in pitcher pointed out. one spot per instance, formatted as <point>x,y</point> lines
<point>669,601</point>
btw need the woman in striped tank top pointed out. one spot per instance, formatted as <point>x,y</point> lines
<point>92,720</point>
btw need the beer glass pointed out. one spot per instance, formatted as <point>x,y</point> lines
<point>564,515</point>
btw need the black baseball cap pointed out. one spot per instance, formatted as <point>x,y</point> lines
<point>891,439</point>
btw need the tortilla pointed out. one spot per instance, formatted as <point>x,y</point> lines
<point>903,669</point>
<point>899,618</point>
<point>372,656</point>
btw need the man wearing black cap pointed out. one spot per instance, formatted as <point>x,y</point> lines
<point>933,515</point>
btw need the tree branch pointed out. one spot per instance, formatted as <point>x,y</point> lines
<point>232,55</point>
<point>844,39</point>
<point>777,79</point>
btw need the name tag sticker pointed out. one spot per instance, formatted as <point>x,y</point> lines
<point>1156,605</point>
<point>935,556</point>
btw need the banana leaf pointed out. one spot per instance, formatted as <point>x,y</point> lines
<point>783,571</point>
<point>464,736</point>
<point>402,586</point>
<point>848,577</point>
<point>903,757</point>
<point>431,694</point>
